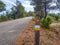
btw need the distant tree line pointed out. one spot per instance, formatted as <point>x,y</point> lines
<point>16,12</point>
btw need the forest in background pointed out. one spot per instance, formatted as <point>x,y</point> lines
<point>15,13</point>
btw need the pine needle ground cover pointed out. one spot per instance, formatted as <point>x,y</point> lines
<point>47,36</point>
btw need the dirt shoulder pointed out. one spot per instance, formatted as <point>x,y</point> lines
<point>47,36</point>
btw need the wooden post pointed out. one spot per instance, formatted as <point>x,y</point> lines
<point>37,29</point>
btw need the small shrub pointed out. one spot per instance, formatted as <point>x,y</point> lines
<point>46,22</point>
<point>48,34</point>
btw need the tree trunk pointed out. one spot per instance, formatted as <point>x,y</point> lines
<point>45,11</point>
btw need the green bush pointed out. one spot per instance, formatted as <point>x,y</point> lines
<point>55,17</point>
<point>46,22</point>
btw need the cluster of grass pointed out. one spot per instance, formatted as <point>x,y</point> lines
<point>56,17</point>
<point>4,18</point>
<point>46,22</point>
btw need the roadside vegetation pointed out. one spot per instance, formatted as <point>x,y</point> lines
<point>46,18</point>
<point>15,13</point>
<point>49,22</point>
<point>51,18</point>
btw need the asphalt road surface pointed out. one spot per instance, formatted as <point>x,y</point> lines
<point>10,30</point>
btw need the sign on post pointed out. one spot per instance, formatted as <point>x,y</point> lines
<point>37,27</point>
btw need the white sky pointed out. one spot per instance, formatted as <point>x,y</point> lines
<point>27,5</point>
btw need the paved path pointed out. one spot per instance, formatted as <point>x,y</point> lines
<point>10,30</point>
